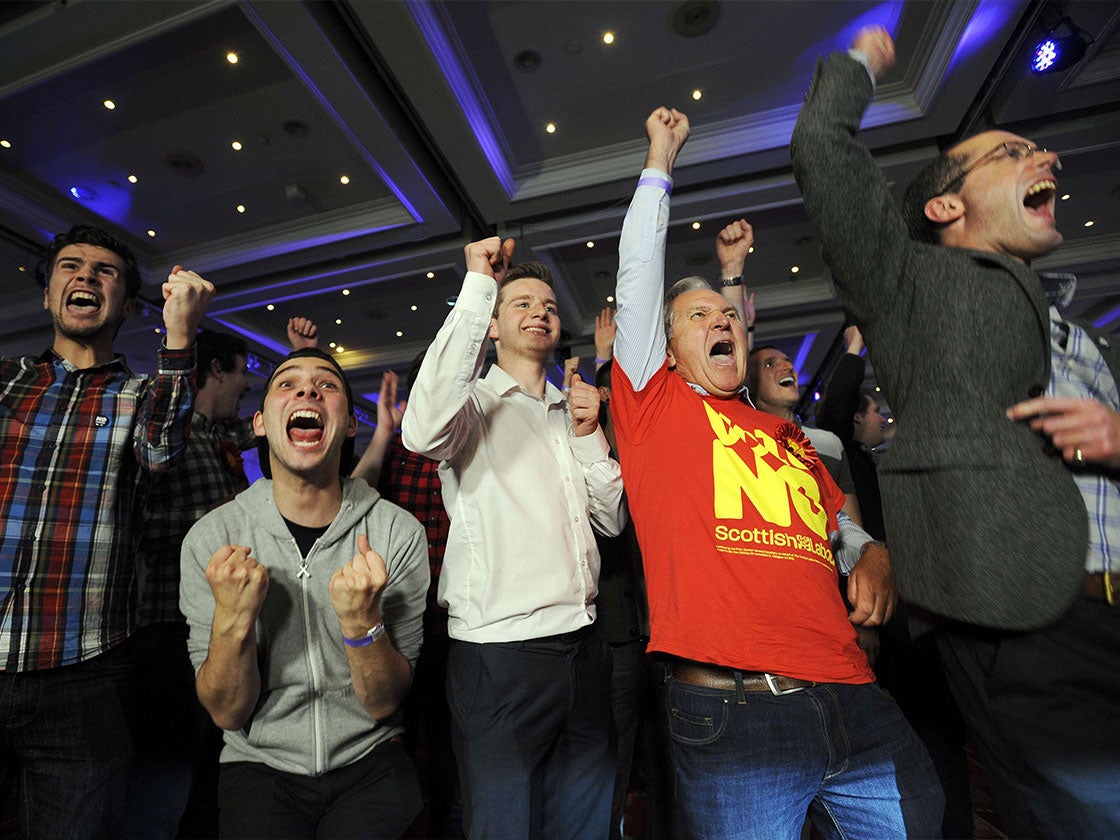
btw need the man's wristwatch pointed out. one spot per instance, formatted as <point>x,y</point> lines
<point>731,281</point>
<point>372,635</point>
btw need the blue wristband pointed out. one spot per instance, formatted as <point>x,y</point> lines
<point>374,633</point>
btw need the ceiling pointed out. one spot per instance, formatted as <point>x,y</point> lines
<point>436,112</point>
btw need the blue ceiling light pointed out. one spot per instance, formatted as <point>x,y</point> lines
<point>1055,53</point>
<point>83,193</point>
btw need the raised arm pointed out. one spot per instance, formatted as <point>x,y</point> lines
<point>733,244</point>
<point>389,417</point>
<point>163,415</point>
<point>439,418</point>
<point>837,409</point>
<point>640,338</point>
<point>864,239</point>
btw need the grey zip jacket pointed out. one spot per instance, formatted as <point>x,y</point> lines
<point>308,719</point>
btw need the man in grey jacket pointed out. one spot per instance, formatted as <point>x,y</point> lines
<point>304,649</point>
<point>999,490</point>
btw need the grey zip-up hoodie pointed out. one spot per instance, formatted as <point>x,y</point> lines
<point>308,719</point>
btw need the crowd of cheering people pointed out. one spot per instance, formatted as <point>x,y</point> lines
<point>554,593</point>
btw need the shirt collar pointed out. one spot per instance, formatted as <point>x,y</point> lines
<point>48,356</point>
<point>504,384</point>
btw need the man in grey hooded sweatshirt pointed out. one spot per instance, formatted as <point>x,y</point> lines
<point>305,598</point>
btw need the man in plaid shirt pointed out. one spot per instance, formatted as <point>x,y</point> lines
<point>80,438</point>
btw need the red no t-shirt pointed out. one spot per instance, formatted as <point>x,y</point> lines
<point>733,509</point>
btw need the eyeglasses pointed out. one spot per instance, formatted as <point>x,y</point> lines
<point>1013,149</point>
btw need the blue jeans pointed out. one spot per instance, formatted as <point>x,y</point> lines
<point>752,764</point>
<point>66,731</point>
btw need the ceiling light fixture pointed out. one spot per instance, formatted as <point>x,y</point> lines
<point>236,145</point>
<point>109,104</point>
<point>590,244</point>
<point>793,269</point>
<point>550,128</point>
<point>332,344</point>
<point>610,298</point>
<point>83,193</point>
<point>414,307</point>
<point>345,291</point>
<point>431,275</point>
<point>608,37</point>
<point>240,208</point>
<point>1065,197</point>
<point>152,234</point>
<point>1055,53</point>
<point>344,180</point>
<point>340,349</point>
<point>696,226</point>
<point>6,144</point>
<point>697,94</point>
<point>271,307</point>
<point>132,179</point>
<point>1089,223</point>
<point>231,57</point>
<point>338,320</point>
<point>750,250</point>
<point>399,333</point>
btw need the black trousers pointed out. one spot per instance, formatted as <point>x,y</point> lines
<point>531,727</point>
<point>1043,708</point>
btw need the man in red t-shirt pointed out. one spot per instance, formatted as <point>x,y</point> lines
<point>772,706</point>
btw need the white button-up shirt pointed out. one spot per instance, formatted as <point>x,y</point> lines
<point>521,490</point>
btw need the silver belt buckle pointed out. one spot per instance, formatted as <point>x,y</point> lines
<point>772,682</point>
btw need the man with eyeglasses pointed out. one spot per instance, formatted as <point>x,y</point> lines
<point>999,490</point>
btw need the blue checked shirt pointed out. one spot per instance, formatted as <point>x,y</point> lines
<point>77,452</point>
<point>1077,370</point>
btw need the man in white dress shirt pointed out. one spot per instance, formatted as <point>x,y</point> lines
<point>526,474</point>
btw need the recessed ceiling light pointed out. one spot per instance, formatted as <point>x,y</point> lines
<point>608,37</point>
<point>414,307</point>
<point>231,57</point>
<point>697,94</point>
<point>240,208</point>
<point>1089,223</point>
<point>157,330</point>
<point>877,389</point>
<point>610,298</point>
<point>236,145</point>
<point>23,268</point>
<point>110,104</point>
<point>332,344</point>
<point>339,348</point>
<point>6,144</point>
<point>793,269</point>
<point>431,275</point>
<point>696,226</point>
<point>271,307</point>
<point>345,291</point>
<point>399,333</point>
<point>550,128</point>
<point>890,419</point>
<point>590,244</point>
<point>344,180</point>
<point>1065,197</point>
<point>750,250</point>
<point>151,233</point>
<point>83,193</point>
<point>132,179</point>
<point>338,320</point>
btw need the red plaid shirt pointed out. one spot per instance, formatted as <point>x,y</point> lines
<point>412,481</point>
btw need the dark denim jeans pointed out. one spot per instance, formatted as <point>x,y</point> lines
<point>752,764</point>
<point>65,730</point>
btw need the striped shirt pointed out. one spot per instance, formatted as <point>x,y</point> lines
<point>77,449</point>
<point>209,474</point>
<point>1078,370</point>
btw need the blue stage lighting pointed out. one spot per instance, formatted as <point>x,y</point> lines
<point>1053,54</point>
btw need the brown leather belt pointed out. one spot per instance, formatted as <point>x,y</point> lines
<point>713,676</point>
<point>1103,586</point>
